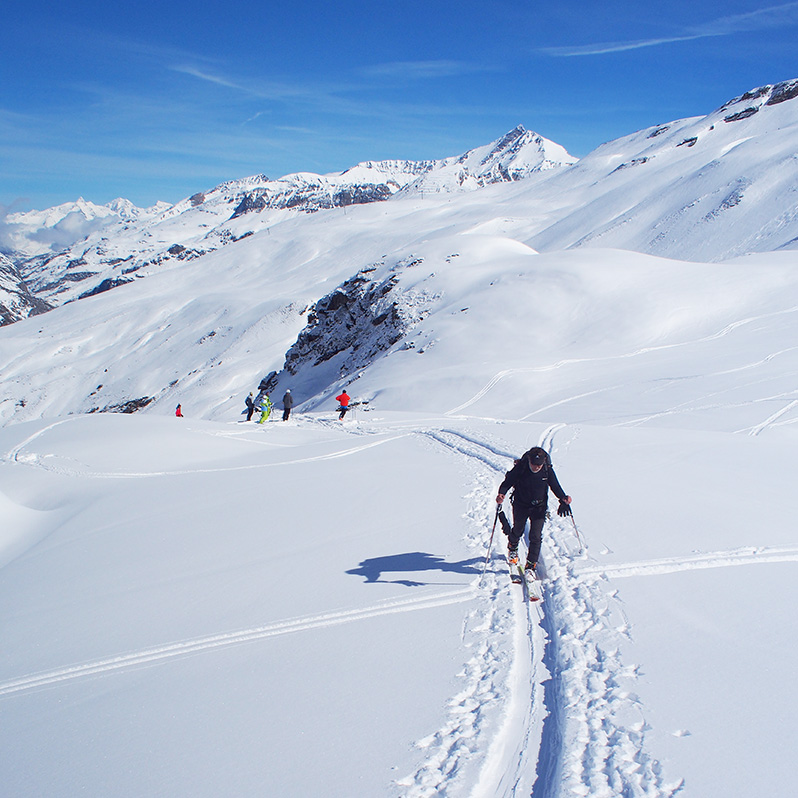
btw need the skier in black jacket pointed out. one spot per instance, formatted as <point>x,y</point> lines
<point>531,478</point>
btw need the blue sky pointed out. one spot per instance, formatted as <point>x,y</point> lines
<point>155,101</point>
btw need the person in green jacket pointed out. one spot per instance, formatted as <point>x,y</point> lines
<point>264,404</point>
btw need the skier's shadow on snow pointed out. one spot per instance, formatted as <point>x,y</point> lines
<point>373,568</point>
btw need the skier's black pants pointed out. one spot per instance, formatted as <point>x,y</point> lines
<point>286,413</point>
<point>536,515</point>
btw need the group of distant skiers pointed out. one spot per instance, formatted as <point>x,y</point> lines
<point>264,405</point>
<point>530,480</point>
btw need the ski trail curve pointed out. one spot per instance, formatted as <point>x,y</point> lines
<point>202,644</point>
<point>35,461</point>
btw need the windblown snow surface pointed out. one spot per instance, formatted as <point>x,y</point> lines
<point>205,607</point>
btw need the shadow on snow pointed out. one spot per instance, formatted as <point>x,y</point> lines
<point>373,568</point>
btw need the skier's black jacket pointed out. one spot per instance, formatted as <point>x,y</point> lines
<point>530,489</point>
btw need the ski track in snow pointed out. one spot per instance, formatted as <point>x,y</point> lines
<point>729,328</point>
<point>204,644</point>
<point>580,732</point>
<point>669,565</point>
<point>502,638</point>
<point>17,455</point>
<point>773,418</point>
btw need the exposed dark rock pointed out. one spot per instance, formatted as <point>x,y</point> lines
<point>197,199</point>
<point>688,142</point>
<point>105,285</point>
<point>731,200</point>
<point>131,406</point>
<point>744,114</point>
<point>634,162</point>
<point>755,94</point>
<point>16,300</point>
<point>658,132</point>
<point>783,92</point>
<point>361,319</point>
<point>268,382</point>
<point>313,197</point>
<point>361,195</point>
<point>251,201</point>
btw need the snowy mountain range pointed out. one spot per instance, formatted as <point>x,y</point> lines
<point>44,233</point>
<point>709,188</point>
<point>109,245</point>
<point>192,605</point>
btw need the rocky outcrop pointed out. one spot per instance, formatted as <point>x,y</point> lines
<point>352,326</point>
<point>359,317</point>
<point>16,301</point>
<point>312,197</point>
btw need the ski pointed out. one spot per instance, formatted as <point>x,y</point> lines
<point>533,585</point>
<point>516,574</point>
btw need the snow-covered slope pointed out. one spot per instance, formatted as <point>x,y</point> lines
<point>706,188</point>
<point>158,610</point>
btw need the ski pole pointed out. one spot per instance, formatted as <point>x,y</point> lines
<point>578,537</point>
<point>490,542</point>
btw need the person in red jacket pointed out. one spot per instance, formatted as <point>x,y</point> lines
<point>343,401</point>
<point>179,412</point>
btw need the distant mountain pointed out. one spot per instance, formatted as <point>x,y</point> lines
<point>35,233</point>
<point>516,156</point>
<point>323,298</point>
<point>126,242</point>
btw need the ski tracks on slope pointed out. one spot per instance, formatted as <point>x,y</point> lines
<point>596,718</point>
<point>494,710</point>
<point>571,725</point>
<point>747,555</point>
<point>204,644</point>
<point>19,456</point>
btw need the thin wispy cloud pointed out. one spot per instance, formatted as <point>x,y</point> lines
<point>208,77</point>
<point>420,70</point>
<point>261,89</point>
<point>762,19</point>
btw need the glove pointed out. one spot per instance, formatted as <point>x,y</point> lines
<point>564,509</point>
